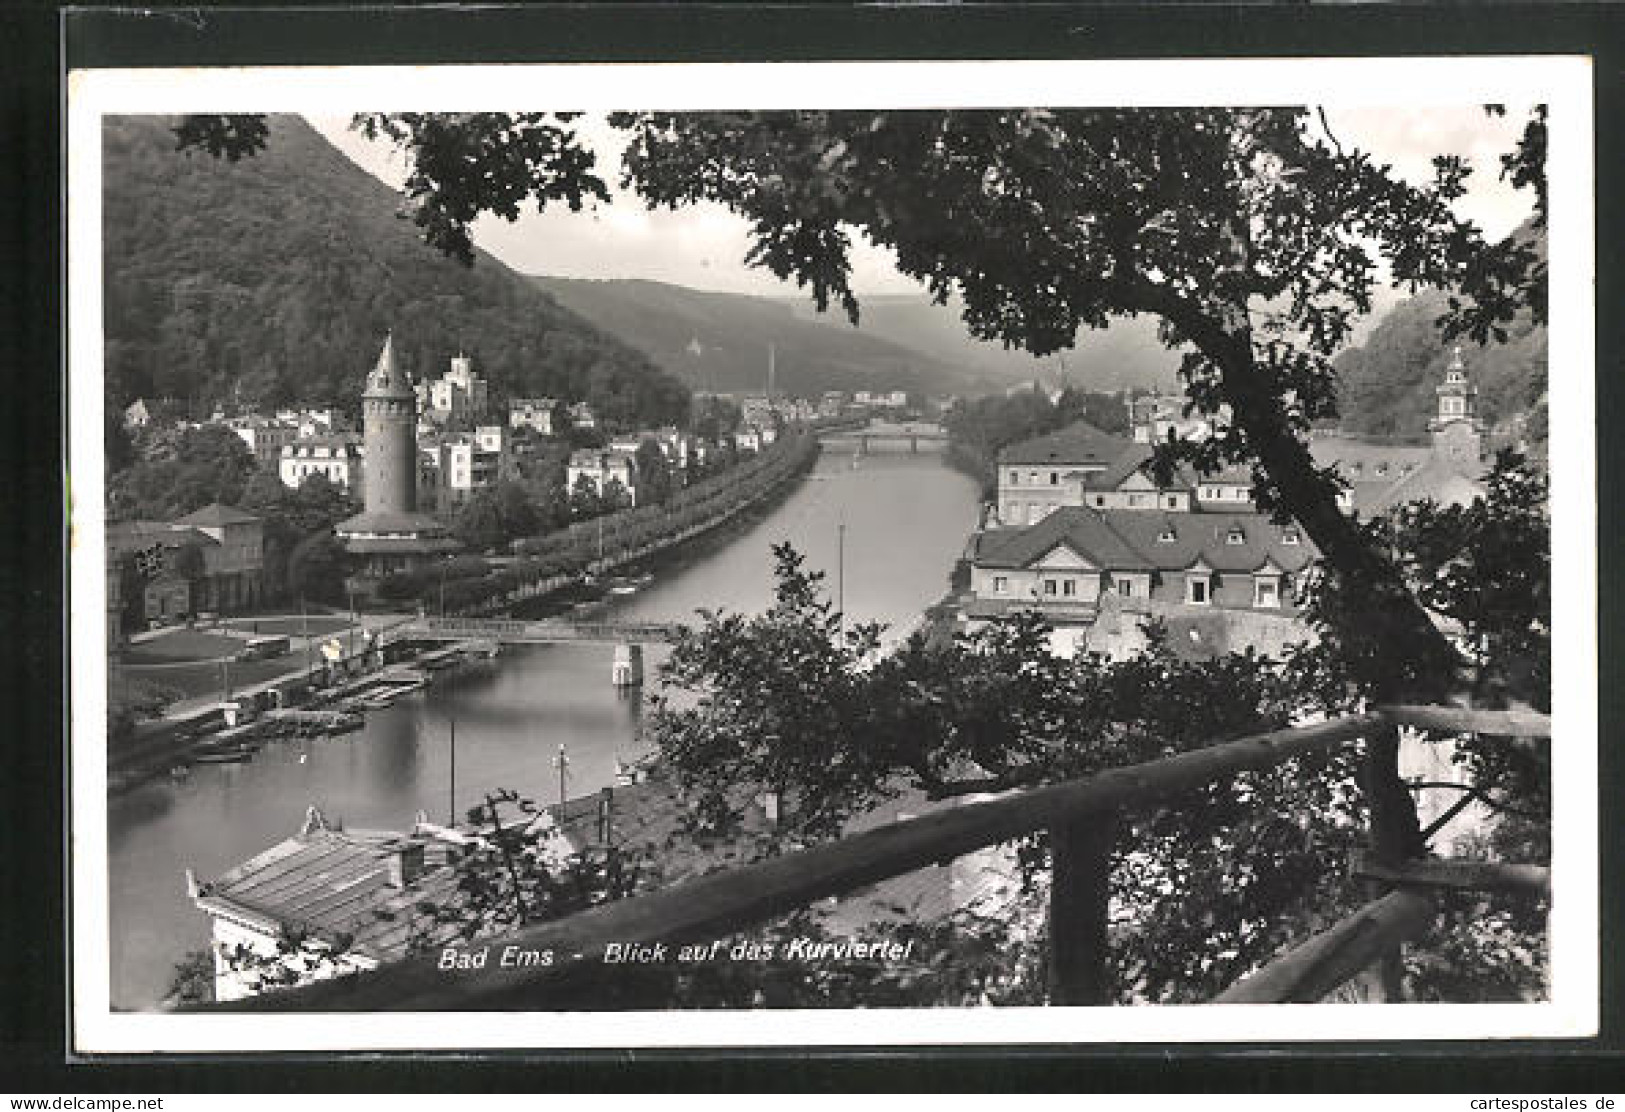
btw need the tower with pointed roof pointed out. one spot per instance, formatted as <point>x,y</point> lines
<point>1457,431</point>
<point>389,532</point>
<point>389,433</point>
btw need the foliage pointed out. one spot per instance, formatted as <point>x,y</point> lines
<point>654,474</point>
<point>980,428</point>
<point>1209,885</point>
<point>318,567</point>
<point>192,981</point>
<point>512,878</point>
<point>291,516</point>
<point>199,466</point>
<point>478,521</point>
<point>775,700</point>
<point>467,164</point>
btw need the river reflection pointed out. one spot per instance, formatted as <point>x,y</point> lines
<point>894,524</point>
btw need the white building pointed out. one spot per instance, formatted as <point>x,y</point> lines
<point>337,457</point>
<point>599,467</point>
<point>470,462</point>
<point>540,414</point>
<point>458,395</point>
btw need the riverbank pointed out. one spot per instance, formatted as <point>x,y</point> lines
<point>561,593</point>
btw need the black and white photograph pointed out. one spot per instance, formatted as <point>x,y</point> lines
<point>835,554</point>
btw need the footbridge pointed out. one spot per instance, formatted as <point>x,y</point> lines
<point>549,631</point>
<point>627,637</point>
<point>915,436</point>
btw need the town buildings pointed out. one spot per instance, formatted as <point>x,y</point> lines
<point>265,436</point>
<point>1079,522</point>
<point>457,396</point>
<point>212,559</point>
<point>1079,466</point>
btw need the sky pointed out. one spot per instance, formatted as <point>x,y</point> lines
<point>703,246</point>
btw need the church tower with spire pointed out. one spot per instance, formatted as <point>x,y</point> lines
<point>1458,434</point>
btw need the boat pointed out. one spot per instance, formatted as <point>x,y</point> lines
<point>236,756</point>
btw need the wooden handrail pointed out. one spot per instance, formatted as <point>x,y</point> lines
<point>1306,973</point>
<point>723,903</point>
<point>727,902</point>
<point>1464,720</point>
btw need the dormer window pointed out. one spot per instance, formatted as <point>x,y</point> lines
<point>1290,536</point>
<point>1235,536</point>
<point>1166,536</point>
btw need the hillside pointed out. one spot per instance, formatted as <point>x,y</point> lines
<point>1125,354</point>
<point>1386,385</point>
<point>274,280</point>
<point>719,341</point>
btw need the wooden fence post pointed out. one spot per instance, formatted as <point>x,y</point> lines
<point>1080,892</point>
<point>1396,837</point>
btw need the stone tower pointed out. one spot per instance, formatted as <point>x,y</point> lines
<point>1457,432</point>
<point>389,432</point>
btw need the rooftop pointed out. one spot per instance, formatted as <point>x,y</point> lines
<point>335,884</point>
<point>217,513</point>
<point>1141,540</point>
<point>1078,443</point>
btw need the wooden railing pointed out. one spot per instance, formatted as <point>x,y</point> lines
<point>1080,816</point>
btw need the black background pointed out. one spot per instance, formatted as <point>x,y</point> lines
<point>40,41</point>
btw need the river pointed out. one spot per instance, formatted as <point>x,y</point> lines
<point>906,519</point>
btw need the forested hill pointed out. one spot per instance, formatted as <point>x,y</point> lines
<point>1386,385</point>
<point>719,341</point>
<point>274,280</point>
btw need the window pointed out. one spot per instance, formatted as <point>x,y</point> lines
<point>1173,502</point>
<point>1015,478</point>
<point>1266,591</point>
<point>1069,587</point>
<point>1049,587</point>
<point>1235,536</point>
<point>1290,536</point>
<point>1054,479</point>
<point>1125,587</point>
<point>1196,590</point>
<point>1001,584</point>
<point>1136,501</point>
<point>1166,536</point>
<point>1100,499</point>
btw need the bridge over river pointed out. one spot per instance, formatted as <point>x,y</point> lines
<point>628,637</point>
<point>550,631</point>
<point>915,436</point>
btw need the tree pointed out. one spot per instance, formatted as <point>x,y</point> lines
<point>585,500</point>
<point>654,474</point>
<point>772,703</point>
<point>317,568</point>
<point>478,523</point>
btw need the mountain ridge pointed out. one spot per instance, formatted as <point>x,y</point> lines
<point>274,280</point>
